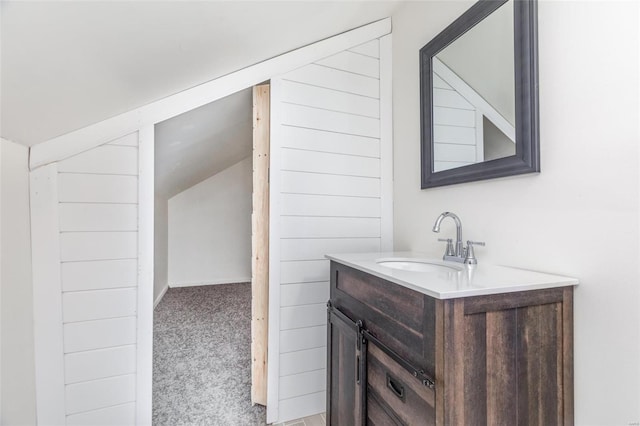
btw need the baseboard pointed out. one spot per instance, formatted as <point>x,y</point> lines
<point>160,296</point>
<point>212,282</point>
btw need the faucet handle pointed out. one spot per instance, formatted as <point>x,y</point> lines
<point>449,251</point>
<point>470,259</point>
<point>476,243</point>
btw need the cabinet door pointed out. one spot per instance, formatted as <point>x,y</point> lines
<point>508,359</point>
<point>344,388</point>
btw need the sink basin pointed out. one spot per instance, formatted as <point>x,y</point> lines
<point>417,265</point>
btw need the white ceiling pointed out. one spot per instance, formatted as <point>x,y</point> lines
<point>198,144</point>
<point>68,64</point>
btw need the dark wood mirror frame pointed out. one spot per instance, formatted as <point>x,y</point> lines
<point>527,156</point>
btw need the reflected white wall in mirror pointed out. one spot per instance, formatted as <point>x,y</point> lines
<point>474,94</point>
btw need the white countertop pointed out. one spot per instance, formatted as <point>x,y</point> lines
<point>461,281</point>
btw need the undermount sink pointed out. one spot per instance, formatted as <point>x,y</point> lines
<point>417,265</point>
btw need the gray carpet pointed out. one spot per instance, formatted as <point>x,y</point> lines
<point>201,351</point>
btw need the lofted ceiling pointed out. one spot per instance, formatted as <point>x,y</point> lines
<point>200,143</point>
<point>68,64</point>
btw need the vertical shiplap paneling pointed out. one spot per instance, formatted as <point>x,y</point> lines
<point>98,225</point>
<point>326,195</point>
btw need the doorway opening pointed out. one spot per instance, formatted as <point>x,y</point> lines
<point>210,260</point>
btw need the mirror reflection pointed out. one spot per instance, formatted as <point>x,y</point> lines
<point>474,94</point>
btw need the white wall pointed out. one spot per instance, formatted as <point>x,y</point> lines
<point>161,247</point>
<point>580,215</point>
<point>1,281</point>
<point>210,229</point>
<point>17,378</point>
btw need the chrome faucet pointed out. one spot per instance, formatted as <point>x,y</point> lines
<point>460,253</point>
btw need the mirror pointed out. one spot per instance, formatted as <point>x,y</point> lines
<point>479,97</point>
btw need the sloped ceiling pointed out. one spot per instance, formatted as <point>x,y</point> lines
<point>68,64</point>
<point>200,143</point>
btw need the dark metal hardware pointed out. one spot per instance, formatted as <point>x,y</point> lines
<point>363,377</point>
<point>418,373</point>
<point>366,336</point>
<point>397,388</point>
<point>342,317</point>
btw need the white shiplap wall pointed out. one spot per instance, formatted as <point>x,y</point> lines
<point>455,131</point>
<point>97,232</point>
<point>328,195</point>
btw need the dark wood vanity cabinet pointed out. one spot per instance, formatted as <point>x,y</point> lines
<point>399,357</point>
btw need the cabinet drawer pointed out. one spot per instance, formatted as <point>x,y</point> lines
<point>394,390</point>
<point>401,318</point>
<point>379,416</point>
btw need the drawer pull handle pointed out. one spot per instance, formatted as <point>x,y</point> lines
<point>396,387</point>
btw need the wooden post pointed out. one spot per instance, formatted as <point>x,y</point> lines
<point>260,244</point>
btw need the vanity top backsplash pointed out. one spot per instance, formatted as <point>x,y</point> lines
<point>449,280</point>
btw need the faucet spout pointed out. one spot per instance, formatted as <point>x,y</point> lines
<point>459,248</point>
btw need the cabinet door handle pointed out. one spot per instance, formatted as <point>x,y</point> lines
<point>358,370</point>
<point>396,387</point>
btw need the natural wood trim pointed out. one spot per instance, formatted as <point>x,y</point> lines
<point>81,140</point>
<point>273,355</point>
<point>260,244</point>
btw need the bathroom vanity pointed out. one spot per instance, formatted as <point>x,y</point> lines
<point>413,341</point>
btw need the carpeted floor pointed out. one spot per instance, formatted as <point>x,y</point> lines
<point>201,350</point>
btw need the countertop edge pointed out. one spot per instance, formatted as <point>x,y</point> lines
<point>559,282</point>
